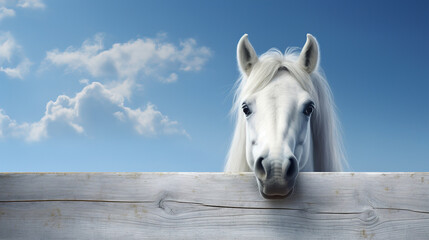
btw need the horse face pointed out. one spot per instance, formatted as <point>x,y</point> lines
<point>278,135</point>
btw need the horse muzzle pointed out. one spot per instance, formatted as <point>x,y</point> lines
<point>276,177</point>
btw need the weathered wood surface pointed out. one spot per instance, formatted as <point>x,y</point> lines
<point>212,206</point>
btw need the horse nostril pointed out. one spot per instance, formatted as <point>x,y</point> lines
<point>291,168</point>
<point>260,171</point>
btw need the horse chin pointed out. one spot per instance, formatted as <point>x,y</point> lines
<point>275,191</point>
<point>276,196</point>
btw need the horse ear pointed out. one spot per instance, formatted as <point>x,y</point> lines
<point>246,55</point>
<point>309,56</point>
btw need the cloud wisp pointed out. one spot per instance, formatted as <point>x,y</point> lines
<point>6,12</point>
<point>34,4</point>
<point>12,61</point>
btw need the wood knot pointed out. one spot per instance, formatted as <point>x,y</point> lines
<point>369,217</point>
<point>162,204</point>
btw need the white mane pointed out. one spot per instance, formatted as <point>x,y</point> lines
<point>327,145</point>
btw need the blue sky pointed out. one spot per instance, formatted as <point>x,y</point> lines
<point>146,85</point>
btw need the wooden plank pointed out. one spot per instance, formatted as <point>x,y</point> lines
<point>212,206</point>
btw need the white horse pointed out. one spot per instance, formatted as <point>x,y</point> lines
<point>285,118</point>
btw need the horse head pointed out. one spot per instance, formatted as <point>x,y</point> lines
<point>278,101</point>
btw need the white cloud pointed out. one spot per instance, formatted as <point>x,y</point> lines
<point>31,4</point>
<point>151,57</point>
<point>123,88</point>
<point>9,127</point>
<point>192,58</point>
<point>12,60</point>
<point>149,121</point>
<point>19,71</point>
<point>84,81</point>
<point>6,12</point>
<point>93,110</point>
<point>7,47</point>
<point>172,78</point>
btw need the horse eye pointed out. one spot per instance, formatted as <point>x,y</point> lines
<point>309,109</point>
<point>246,109</point>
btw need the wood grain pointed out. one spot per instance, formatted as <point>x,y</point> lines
<point>212,206</point>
